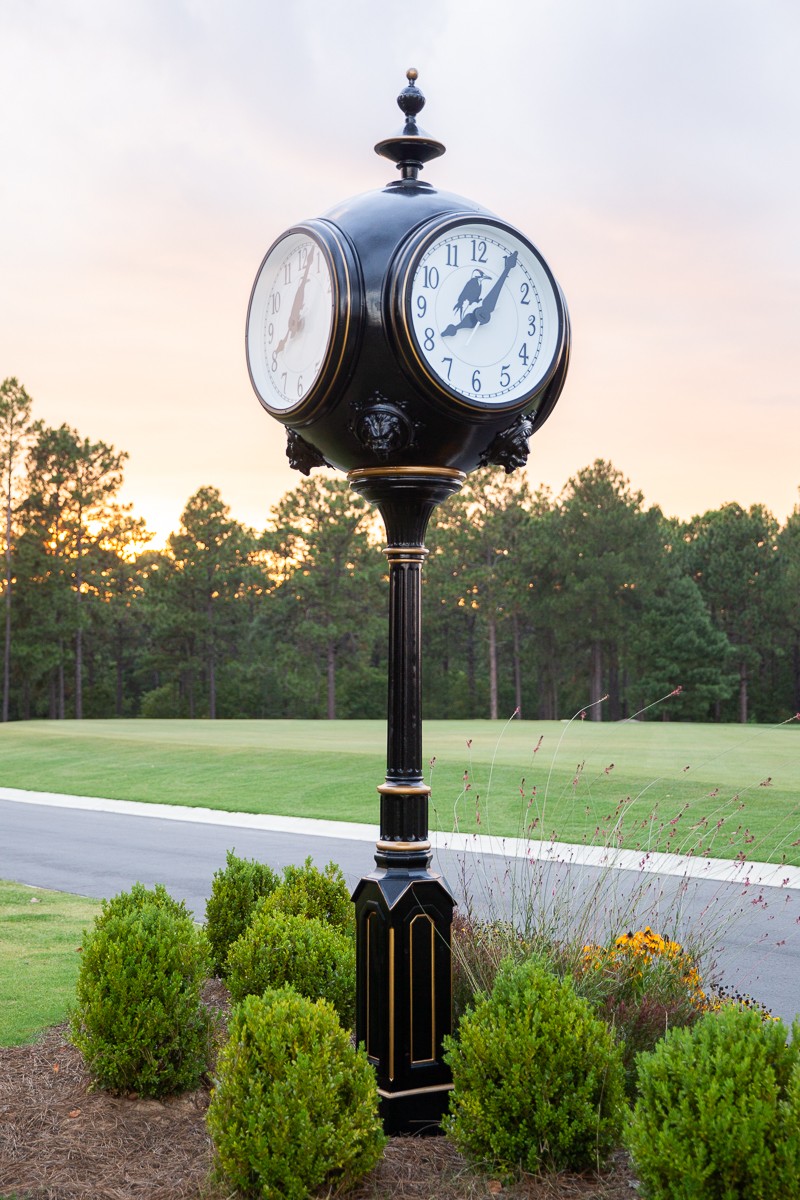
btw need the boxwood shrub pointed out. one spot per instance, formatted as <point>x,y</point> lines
<point>538,1079</point>
<point>718,1113</point>
<point>295,1104</point>
<point>139,897</point>
<point>138,1020</point>
<point>279,947</point>
<point>308,892</point>
<point>235,892</point>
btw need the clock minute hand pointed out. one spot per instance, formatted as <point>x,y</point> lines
<point>294,315</point>
<point>485,309</point>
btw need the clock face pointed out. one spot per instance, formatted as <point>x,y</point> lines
<point>290,320</point>
<point>484,313</point>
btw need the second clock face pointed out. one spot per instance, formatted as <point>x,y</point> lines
<point>485,314</point>
<point>289,323</point>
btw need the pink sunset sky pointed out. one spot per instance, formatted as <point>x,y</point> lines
<point>152,150</point>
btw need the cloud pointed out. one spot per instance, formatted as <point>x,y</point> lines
<point>152,151</point>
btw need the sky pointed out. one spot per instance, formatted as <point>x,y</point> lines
<point>152,150</point>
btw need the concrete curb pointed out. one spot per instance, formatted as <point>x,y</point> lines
<point>751,874</point>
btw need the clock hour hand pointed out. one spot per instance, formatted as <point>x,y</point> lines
<point>467,322</point>
<point>297,305</point>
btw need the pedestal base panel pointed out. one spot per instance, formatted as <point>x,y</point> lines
<point>418,1112</point>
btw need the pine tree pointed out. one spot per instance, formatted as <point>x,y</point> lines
<point>15,427</point>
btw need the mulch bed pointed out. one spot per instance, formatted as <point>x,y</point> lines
<point>59,1141</point>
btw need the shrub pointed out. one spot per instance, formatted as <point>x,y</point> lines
<point>314,958</point>
<point>640,986</point>
<point>538,1079</point>
<point>295,1104</point>
<point>308,892</point>
<point>138,1020</point>
<point>139,897</point>
<point>718,1114</point>
<point>234,895</point>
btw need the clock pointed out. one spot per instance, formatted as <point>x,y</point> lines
<point>478,319</point>
<point>407,327</point>
<point>302,321</point>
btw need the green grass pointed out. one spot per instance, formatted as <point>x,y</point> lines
<point>329,770</point>
<point>38,957</point>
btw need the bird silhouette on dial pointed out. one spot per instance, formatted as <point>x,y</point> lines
<point>471,291</point>
<point>481,314</point>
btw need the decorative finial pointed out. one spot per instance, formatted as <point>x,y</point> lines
<point>411,101</point>
<point>411,147</point>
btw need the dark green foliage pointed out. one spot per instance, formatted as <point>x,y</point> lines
<point>676,643</point>
<point>138,1020</point>
<point>295,1104</point>
<point>529,600</point>
<point>718,1114</point>
<point>234,894</point>
<point>277,948</point>
<point>538,1080</point>
<point>308,892</point>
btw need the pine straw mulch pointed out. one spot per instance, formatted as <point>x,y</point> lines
<point>60,1141</point>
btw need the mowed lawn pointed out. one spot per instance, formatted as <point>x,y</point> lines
<point>40,932</point>
<point>329,770</point>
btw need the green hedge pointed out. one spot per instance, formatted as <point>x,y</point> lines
<point>308,892</point>
<point>235,892</point>
<point>278,947</point>
<point>138,1020</point>
<point>538,1079</point>
<point>718,1114</point>
<point>295,1104</point>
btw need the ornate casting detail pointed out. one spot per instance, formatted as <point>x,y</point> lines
<point>382,425</point>
<point>301,454</point>
<point>509,448</point>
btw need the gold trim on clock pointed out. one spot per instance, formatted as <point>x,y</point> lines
<point>346,311</point>
<point>377,472</point>
<point>399,299</point>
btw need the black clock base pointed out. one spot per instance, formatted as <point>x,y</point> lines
<point>418,1112</point>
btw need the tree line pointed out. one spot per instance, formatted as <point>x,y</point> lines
<point>531,602</point>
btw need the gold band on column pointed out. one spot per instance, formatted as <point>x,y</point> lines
<point>394,553</point>
<point>392,789</point>
<point>403,846</point>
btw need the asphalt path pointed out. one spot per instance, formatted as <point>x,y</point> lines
<point>100,853</point>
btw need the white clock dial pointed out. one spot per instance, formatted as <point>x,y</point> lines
<point>484,314</point>
<point>290,321</point>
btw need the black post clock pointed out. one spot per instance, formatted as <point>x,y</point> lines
<point>406,337</point>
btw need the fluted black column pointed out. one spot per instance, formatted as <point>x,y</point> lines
<point>404,911</point>
<point>405,498</point>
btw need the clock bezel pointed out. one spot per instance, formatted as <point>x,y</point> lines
<point>397,307</point>
<point>347,294</point>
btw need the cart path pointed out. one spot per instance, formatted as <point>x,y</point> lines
<point>759,874</point>
<point>90,851</point>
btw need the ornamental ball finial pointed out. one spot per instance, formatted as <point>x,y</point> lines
<point>411,101</point>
